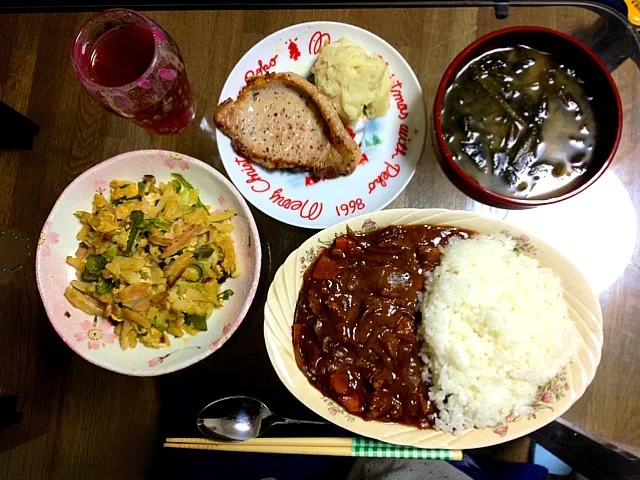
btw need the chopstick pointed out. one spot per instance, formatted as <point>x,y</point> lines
<point>267,441</point>
<point>334,446</point>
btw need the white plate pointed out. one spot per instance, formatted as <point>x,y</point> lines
<point>392,144</point>
<point>552,400</point>
<point>95,340</point>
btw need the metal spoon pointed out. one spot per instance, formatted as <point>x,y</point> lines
<point>235,419</point>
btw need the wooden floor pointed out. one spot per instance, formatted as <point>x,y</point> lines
<point>82,422</point>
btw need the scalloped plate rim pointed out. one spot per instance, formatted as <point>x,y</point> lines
<point>385,431</point>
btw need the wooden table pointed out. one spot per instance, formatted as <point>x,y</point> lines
<point>84,422</point>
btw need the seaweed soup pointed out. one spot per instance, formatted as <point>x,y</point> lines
<point>519,123</point>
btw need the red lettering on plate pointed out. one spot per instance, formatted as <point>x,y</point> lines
<point>262,68</point>
<point>391,171</point>
<point>304,208</point>
<point>350,207</point>
<point>317,41</point>
<point>313,212</point>
<point>292,46</point>
<point>261,185</point>
<point>396,92</point>
<point>403,141</point>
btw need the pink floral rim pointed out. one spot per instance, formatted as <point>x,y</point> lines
<point>550,392</point>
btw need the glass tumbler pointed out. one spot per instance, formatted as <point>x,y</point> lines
<point>132,67</point>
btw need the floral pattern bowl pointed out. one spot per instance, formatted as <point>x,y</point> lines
<point>94,338</point>
<point>552,400</point>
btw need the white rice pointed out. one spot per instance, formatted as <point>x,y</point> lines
<point>495,326</point>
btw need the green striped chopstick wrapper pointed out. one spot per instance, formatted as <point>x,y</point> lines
<point>365,447</point>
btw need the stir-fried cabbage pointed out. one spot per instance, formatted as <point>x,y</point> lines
<point>152,260</point>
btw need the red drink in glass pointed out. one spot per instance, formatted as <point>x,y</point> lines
<point>132,67</point>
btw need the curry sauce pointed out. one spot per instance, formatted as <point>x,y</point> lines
<point>356,321</point>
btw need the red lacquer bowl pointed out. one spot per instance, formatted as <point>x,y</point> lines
<point>598,83</point>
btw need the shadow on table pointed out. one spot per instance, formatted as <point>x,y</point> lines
<point>181,399</point>
<point>173,464</point>
<point>37,385</point>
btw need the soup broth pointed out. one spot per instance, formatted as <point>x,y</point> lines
<point>519,123</point>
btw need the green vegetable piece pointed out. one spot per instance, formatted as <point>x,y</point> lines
<point>183,181</point>
<point>89,277</point>
<point>193,273</point>
<point>189,197</point>
<point>104,286</point>
<point>110,252</point>
<point>493,90</point>
<point>95,264</point>
<point>204,252</point>
<point>226,295</point>
<point>160,321</point>
<point>137,217</point>
<point>145,185</point>
<point>154,222</point>
<point>196,321</point>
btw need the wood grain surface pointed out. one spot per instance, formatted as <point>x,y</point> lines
<point>80,421</point>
